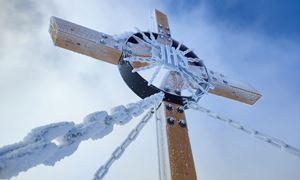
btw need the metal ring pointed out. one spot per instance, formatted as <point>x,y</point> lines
<point>140,86</point>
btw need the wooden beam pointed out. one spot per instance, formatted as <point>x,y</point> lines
<point>174,148</point>
<point>175,154</point>
<point>161,26</point>
<point>232,89</point>
<point>84,40</point>
<point>161,23</point>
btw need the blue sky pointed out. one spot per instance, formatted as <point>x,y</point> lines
<point>275,18</point>
<point>254,41</point>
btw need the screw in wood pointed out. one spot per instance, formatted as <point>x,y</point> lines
<point>177,91</point>
<point>104,36</point>
<point>169,107</point>
<point>170,120</point>
<point>182,123</point>
<point>167,88</point>
<point>102,41</point>
<point>180,109</point>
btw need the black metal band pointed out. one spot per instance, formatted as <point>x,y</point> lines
<point>140,86</point>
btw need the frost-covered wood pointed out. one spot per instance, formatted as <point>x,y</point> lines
<point>174,148</point>
<point>161,23</point>
<point>232,89</point>
<point>84,40</point>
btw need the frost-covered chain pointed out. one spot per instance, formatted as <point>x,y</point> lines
<point>51,143</point>
<point>102,171</point>
<point>254,133</point>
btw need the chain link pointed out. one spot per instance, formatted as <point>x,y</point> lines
<point>102,171</point>
<point>254,133</point>
<point>53,142</point>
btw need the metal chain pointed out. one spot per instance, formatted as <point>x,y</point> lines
<point>254,133</point>
<point>117,153</point>
<point>50,143</point>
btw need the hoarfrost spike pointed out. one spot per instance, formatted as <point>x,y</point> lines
<point>179,45</point>
<point>144,36</point>
<point>154,75</point>
<point>139,40</point>
<point>151,35</point>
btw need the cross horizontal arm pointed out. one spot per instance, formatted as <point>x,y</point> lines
<point>232,89</point>
<point>84,40</point>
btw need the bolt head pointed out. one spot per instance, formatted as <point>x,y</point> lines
<point>167,89</point>
<point>169,107</point>
<point>170,120</point>
<point>104,36</point>
<point>180,109</point>
<point>177,91</point>
<point>129,51</point>
<point>102,41</point>
<point>182,123</point>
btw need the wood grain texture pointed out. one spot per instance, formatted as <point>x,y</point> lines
<point>140,50</point>
<point>161,25</point>
<point>84,40</point>
<point>235,93</point>
<point>180,152</point>
<point>232,89</point>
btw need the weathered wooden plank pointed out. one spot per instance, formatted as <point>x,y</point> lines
<point>84,40</point>
<point>173,137</point>
<point>232,89</point>
<point>180,152</point>
<point>180,158</point>
<point>139,50</point>
<point>161,26</point>
<point>161,23</point>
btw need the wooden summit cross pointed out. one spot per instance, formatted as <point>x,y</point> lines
<point>184,79</point>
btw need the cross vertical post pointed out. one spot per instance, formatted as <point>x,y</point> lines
<point>174,148</point>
